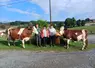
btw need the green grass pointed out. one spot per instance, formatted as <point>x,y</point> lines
<point>89,28</point>
<point>73,47</point>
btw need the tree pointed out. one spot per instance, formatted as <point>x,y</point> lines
<point>87,20</point>
<point>83,23</point>
<point>73,22</point>
<point>70,22</point>
<point>59,24</point>
<point>42,23</point>
<point>67,22</point>
<point>78,23</point>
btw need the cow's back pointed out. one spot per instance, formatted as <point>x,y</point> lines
<point>72,34</point>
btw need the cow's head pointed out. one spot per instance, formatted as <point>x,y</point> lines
<point>35,30</point>
<point>61,30</point>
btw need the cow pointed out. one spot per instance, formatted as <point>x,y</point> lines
<point>23,34</point>
<point>75,35</point>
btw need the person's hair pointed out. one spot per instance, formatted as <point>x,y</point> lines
<point>44,25</point>
<point>37,24</point>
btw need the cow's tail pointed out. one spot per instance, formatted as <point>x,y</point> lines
<point>8,35</point>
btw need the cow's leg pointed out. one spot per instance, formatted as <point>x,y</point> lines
<point>85,40</point>
<point>23,42</point>
<point>8,42</point>
<point>37,40</point>
<point>68,42</point>
<point>14,42</point>
<point>84,44</point>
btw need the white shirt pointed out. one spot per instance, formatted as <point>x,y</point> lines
<point>45,32</point>
<point>52,31</point>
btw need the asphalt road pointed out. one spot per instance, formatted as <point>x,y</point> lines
<point>28,59</point>
<point>91,39</point>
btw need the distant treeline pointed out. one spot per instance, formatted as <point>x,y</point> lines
<point>69,23</point>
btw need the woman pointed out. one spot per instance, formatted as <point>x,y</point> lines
<point>44,35</point>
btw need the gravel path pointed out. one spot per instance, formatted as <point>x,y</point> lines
<point>29,59</point>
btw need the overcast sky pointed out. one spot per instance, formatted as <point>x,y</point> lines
<point>26,10</point>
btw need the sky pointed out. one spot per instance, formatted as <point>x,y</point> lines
<point>27,10</point>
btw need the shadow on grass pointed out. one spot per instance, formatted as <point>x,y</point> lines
<point>5,43</point>
<point>74,45</point>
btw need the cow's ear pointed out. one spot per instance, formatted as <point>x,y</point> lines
<point>29,28</point>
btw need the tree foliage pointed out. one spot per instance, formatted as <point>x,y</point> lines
<point>87,20</point>
<point>78,22</point>
<point>42,23</point>
<point>70,22</point>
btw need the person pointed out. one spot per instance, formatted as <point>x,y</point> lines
<point>38,38</point>
<point>52,35</point>
<point>44,35</point>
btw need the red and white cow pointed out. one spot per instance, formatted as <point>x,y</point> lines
<point>75,35</point>
<point>23,34</point>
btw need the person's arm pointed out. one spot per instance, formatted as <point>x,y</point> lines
<point>41,33</point>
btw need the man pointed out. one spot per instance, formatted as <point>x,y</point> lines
<point>38,38</point>
<point>52,35</point>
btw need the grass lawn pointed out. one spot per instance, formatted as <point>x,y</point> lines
<point>73,47</point>
<point>89,28</point>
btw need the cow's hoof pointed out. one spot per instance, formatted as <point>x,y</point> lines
<point>67,47</point>
<point>85,48</point>
<point>82,49</point>
<point>24,47</point>
<point>8,44</point>
<point>14,45</point>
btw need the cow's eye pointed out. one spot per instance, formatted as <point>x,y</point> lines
<point>29,28</point>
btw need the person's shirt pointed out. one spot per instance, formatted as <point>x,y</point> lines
<point>52,31</point>
<point>45,32</point>
<point>38,29</point>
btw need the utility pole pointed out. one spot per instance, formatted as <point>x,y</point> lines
<point>50,11</point>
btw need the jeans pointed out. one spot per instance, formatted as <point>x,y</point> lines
<point>38,40</point>
<point>44,41</point>
<point>52,40</point>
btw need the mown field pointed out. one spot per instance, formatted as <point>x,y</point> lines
<point>58,48</point>
<point>91,29</point>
